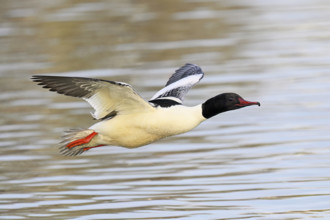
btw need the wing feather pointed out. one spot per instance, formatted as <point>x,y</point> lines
<point>180,83</point>
<point>106,97</point>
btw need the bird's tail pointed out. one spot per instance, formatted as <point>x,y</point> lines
<point>77,141</point>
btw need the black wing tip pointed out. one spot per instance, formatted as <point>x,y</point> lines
<point>197,69</point>
<point>186,70</point>
<point>42,78</point>
<point>193,69</point>
<point>190,64</point>
<point>80,87</point>
<point>61,84</point>
<point>36,78</point>
<point>52,76</point>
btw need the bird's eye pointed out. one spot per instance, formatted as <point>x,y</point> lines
<point>230,99</point>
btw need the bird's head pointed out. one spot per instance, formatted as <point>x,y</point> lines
<point>224,102</point>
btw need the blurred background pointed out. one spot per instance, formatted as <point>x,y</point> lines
<point>270,162</point>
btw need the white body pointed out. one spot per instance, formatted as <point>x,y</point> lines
<point>128,120</point>
<point>141,128</point>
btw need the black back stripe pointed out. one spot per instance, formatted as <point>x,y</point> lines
<point>165,103</point>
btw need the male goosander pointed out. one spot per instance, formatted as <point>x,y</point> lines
<point>126,119</point>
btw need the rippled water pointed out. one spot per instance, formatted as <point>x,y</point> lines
<point>270,162</point>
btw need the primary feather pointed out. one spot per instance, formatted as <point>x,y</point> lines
<point>106,97</point>
<point>180,83</point>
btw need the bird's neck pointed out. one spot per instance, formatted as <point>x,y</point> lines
<point>213,106</point>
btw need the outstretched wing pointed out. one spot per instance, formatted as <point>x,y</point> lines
<point>179,84</point>
<point>108,98</point>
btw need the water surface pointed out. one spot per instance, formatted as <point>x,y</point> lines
<point>270,162</point>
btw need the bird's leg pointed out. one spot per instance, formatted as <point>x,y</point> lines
<point>88,148</point>
<point>81,141</point>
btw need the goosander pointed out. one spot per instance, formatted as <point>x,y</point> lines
<point>126,119</point>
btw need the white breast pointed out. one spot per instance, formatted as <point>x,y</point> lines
<point>134,130</point>
<point>175,120</point>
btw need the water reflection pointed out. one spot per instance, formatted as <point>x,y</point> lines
<point>265,163</point>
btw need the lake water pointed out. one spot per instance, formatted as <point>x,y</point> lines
<point>270,162</point>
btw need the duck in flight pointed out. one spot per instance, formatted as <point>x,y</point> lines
<point>126,119</point>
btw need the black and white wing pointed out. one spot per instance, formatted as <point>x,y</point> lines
<point>178,85</point>
<point>108,98</point>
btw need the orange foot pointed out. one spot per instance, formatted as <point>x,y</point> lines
<point>81,141</point>
<point>88,148</point>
